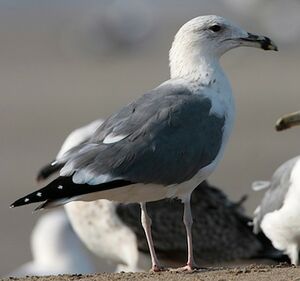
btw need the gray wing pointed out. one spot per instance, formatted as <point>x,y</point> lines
<point>77,137</point>
<point>220,229</point>
<point>166,126</point>
<point>275,195</point>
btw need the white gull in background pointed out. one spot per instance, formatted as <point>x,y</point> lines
<point>55,249</point>
<point>279,212</point>
<point>96,222</point>
<point>164,143</point>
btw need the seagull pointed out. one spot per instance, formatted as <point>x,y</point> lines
<point>56,249</point>
<point>166,142</point>
<point>287,121</point>
<point>278,213</point>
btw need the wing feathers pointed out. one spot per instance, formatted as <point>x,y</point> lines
<point>48,170</point>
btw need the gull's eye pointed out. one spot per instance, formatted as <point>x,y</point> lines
<point>215,28</point>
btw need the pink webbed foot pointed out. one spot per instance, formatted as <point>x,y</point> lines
<point>190,268</point>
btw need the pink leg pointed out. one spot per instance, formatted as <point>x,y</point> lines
<point>146,222</point>
<point>188,222</point>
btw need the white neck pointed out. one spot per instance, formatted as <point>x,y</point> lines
<point>202,68</point>
<point>193,63</point>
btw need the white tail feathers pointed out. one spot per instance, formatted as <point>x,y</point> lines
<point>260,185</point>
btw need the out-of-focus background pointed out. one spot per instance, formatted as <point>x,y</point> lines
<point>65,63</point>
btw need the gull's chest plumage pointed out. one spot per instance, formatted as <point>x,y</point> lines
<point>217,88</point>
<point>223,105</point>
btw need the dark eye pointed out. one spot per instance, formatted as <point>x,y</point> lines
<point>215,28</point>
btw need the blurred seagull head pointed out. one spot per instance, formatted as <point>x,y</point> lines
<point>288,121</point>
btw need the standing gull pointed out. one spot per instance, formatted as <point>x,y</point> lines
<point>166,142</point>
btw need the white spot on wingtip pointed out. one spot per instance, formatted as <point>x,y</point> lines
<point>39,194</point>
<point>26,200</point>
<point>111,138</point>
<point>60,187</point>
<point>53,163</point>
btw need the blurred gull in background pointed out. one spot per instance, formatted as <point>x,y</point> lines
<point>56,249</point>
<point>288,121</point>
<point>279,212</point>
<point>97,223</point>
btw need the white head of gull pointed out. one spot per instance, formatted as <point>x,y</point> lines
<point>164,143</point>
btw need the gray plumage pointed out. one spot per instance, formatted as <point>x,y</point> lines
<point>155,140</point>
<point>220,228</point>
<point>276,193</point>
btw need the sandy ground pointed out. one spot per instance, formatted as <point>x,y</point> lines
<point>249,273</point>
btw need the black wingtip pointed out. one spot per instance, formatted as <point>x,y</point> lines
<point>63,189</point>
<point>20,202</point>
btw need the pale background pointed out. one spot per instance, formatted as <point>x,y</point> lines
<point>66,63</point>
